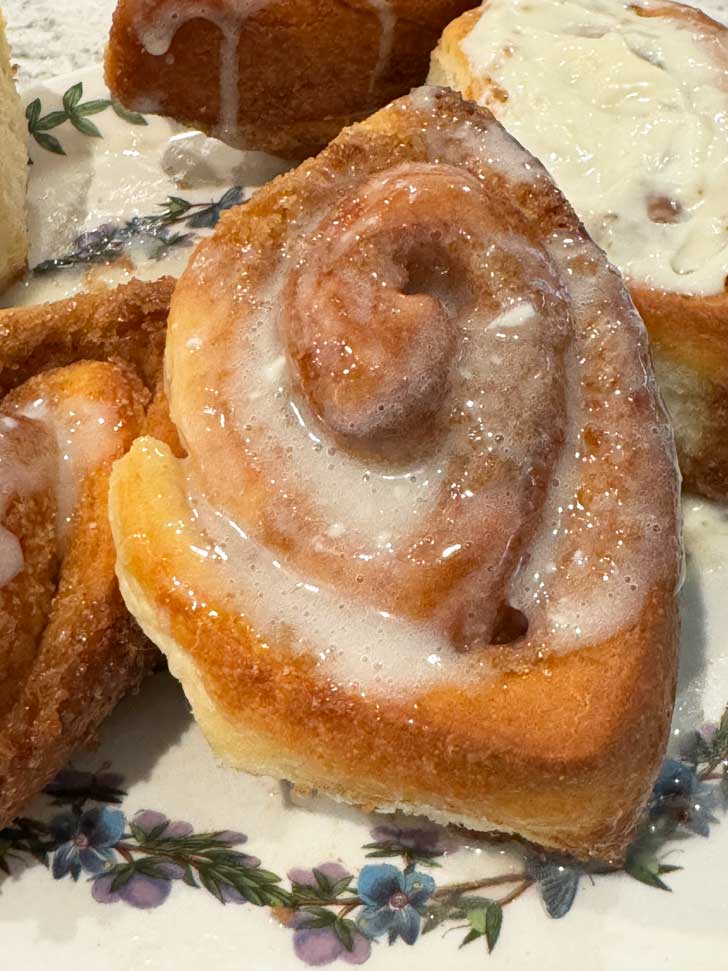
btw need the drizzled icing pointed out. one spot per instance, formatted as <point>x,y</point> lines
<point>27,456</point>
<point>50,444</point>
<point>157,22</point>
<point>431,422</point>
<point>387,22</point>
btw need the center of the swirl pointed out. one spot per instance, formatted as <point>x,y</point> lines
<point>371,346</point>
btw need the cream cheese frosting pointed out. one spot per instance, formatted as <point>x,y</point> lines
<point>630,115</point>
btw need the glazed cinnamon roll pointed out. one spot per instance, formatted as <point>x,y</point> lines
<point>283,76</point>
<point>76,378</point>
<point>423,550</point>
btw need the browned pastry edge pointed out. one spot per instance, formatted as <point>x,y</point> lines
<point>91,652</point>
<point>305,70</point>
<point>561,749</point>
<point>689,334</point>
<point>125,323</point>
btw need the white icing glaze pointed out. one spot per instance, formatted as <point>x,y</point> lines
<point>387,22</point>
<point>630,115</point>
<point>515,400</point>
<point>85,435</point>
<point>157,23</point>
<point>27,457</point>
<point>50,444</point>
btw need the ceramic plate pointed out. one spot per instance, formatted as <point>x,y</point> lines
<point>148,853</point>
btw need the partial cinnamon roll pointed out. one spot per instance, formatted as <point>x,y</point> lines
<point>76,378</point>
<point>423,550</point>
<point>282,76</point>
<point>626,104</point>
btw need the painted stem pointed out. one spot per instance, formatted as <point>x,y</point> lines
<point>468,887</point>
<point>516,893</point>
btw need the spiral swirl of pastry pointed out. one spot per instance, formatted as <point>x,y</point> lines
<point>418,411</point>
<point>72,400</point>
<point>423,549</point>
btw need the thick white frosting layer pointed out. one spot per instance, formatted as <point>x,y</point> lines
<point>630,115</point>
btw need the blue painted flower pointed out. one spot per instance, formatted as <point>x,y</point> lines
<point>86,841</point>
<point>393,901</point>
<point>680,795</point>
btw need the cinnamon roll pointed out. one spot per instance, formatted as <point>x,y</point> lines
<point>283,76</point>
<point>626,104</point>
<point>424,547</point>
<point>76,378</point>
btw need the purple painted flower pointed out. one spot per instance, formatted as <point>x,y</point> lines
<point>86,841</point>
<point>333,872</point>
<point>150,825</point>
<point>393,901</point>
<point>141,890</point>
<point>318,946</point>
<point>417,837</point>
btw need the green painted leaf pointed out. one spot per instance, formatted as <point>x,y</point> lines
<point>49,142</point>
<point>154,834</point>
<point>121,876</point>
<point>668,868</point>
<point>340,886</point>
<point>317,917</point>
<point>209,881</point>
<point>471,936</point>
<point>720,739</point>
<point>322,881</point>
<point>52,120</point>
<point>493,924</point>
<point>72,97</point>
<point>646,869</point>
<point>32,113</point>
<point>189,877</point>
<point>437,914</point>
<point>93,107</point>
<point>85,126</point>
<point>344,930</point>
<point>132,117</point>
<point>477,918</point>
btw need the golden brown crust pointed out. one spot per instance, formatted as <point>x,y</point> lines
<point>70,649</point>
<point>305,70</point>
<point>562,749</point>
<point>689,334</point>
<point>127,323</point>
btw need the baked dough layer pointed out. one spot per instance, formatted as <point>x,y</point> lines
<point>281,76</point>
<point>552,733</point>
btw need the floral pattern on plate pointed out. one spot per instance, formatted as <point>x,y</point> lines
<point>337,913</point>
